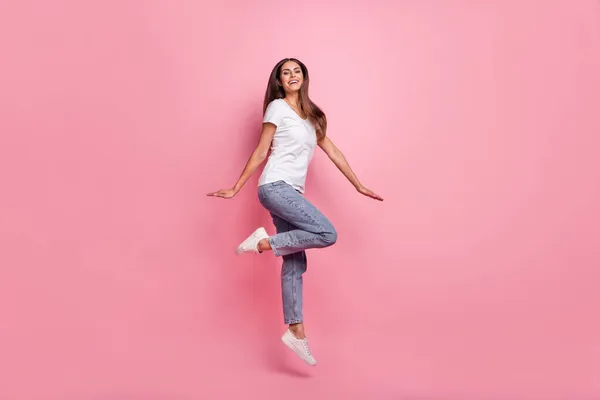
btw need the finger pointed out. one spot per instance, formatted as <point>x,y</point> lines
<point>377,197</point>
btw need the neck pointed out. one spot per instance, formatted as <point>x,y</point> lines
<point>292,98</point>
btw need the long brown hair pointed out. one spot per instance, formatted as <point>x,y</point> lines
<point>310,110</point>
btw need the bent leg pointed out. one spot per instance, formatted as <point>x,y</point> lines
<point>311,228</point>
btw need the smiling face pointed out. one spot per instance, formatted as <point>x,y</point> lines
<point>291,77</point>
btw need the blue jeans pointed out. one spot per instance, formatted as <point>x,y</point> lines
<point>300,226</point>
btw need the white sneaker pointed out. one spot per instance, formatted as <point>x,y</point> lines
<point>250,245</point>
<point>300,347</point>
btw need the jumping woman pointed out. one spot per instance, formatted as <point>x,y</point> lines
<point>292,128</point>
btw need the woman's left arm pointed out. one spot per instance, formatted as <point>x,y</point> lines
<point>337,157</point>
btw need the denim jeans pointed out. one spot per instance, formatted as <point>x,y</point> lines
<point>300,226</point>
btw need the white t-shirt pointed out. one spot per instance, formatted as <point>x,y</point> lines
<point>292,148</point>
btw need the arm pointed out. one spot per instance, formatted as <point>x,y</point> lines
<point>337,157</point>
<point>257,157</point>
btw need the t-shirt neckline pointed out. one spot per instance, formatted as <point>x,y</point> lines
<point>294,111</point>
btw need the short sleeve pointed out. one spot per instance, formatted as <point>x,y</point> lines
<point>273,113</point>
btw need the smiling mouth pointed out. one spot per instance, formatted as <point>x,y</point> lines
<point>293,82</point>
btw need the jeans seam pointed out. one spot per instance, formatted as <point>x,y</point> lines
<point>294,299</point>
<point>293,266</point>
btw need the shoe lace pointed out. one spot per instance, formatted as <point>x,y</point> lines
<point>305,344</point>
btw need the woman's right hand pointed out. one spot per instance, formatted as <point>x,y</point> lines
<point>224,193</point>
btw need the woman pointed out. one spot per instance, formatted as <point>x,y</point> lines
<point>293,125</point>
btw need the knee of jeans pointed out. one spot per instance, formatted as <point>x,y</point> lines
<point>330,237</point>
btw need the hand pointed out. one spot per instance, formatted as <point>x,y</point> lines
<point>369,193</point>
<point>224,193</point>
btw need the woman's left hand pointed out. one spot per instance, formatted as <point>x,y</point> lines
<point>369,193</point>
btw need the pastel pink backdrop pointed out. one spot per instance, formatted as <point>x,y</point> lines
<point>476,278</point>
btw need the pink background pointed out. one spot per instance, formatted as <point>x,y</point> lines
<point>476,278</point>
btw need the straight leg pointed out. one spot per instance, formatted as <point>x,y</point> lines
<point>300,226</point>
<point>293,267</point>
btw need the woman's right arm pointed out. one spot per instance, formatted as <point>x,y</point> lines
<point>257,157</point>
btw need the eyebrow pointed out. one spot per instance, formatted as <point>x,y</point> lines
<point>287,69</point>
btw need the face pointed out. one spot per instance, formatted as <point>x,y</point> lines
<point>291,77</point>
